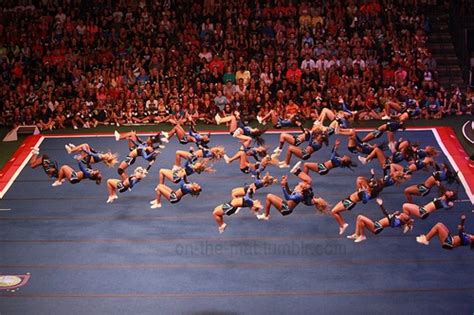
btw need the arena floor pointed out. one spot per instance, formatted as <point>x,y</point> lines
<point>79,255</point>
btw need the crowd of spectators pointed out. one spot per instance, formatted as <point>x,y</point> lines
<point>81,63</point>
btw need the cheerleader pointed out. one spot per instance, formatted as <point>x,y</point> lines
<point>315,142</point>
<point>393,220</point>
<point>234,206</point>
<point>239,130</point>
<point>323,168</point>
<point>445,200</point>
<point>447,240</point>
<point>192,136</point>
<point>114,185</point>
<point>442,173</point>
<point>87,155</point>
<point>366,190</point>
<point>174,196</point>
<point>301,193</point>
<point>291,139</point>
<point>390,127</point>
<point>212,154</point>
<point>74,177</point>
<point>175,175</point>
<point>49,166</point>
<point>134,141</point>
<point>265,181</point>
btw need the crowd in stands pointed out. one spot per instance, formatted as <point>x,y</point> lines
<point>80,63</point>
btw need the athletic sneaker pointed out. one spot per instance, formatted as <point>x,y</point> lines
<point>263,217</point>
<point>226,158</point>
<point>259,119</point>
<point>34,150</point>
<point>112,198</point>
<point>343,228</point>
<point>68,148</point>
<point>222,228</point>
<point>155,205</point>
<point>165,135</point>
<point>296,167</point>
<point>406,229</point>
<point>175,167</point>
<point>353,236</point>
<point>277,150</point>
<point>391,146</point>
<point>359,239</point>
<point>237,133</point>
<point>153,201</point>
<point>385,117</point>
<point>362,159</point>
<point>56,183</point>
<point>422,239</point>
<point>116,135</point>
<point>283,165</point>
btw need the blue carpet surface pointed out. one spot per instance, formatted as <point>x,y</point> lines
<point>89,257</point>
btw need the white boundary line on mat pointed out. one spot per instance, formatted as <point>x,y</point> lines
<point>469,122</point>
<point>453,163</point>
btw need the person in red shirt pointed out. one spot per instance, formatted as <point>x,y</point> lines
<point>293,75</point>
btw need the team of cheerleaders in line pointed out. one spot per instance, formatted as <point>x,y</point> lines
<point>253,159</point>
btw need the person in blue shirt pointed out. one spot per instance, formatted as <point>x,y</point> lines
<point>444,201</point>
<point>49,166</point>
<point>74,177</point>
<point>393,220</point>
<point>365,191</point>
<point>354,143</point>
<point>145,150</point>
<point>123,185</point>
<point>190,167</point>
<point>239,130</point>
<point>212,154</point>
<point>156,141</point>
<point>442,173</point>
<point>292,139</point>
<point>342,115</point>
<point>384,160</point>
<point>317,138</point>
<point>323,168</point>
<point>88,155</point>
<point>301,193</point>
<point>234,206</point>
<point>174,196</point>
<point>447,240</point>
<point>258,153</point>
<point>265,181</point>
<point>432,108</point>
<point>192,136</point>
<point>278,122</point>
<point>406,110</point>
<point>390,127</point>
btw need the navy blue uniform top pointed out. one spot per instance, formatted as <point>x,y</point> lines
<point>86,170</point>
